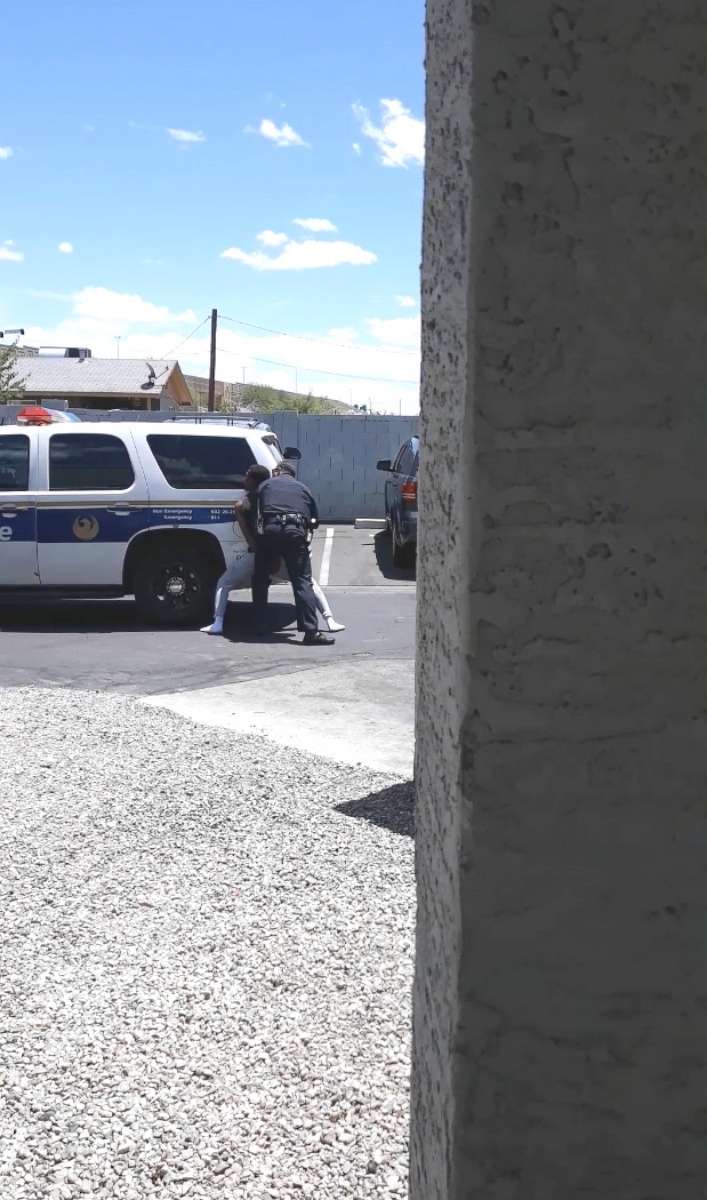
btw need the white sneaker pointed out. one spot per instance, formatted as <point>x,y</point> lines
<point>334,626</point>
<point>216,629</point>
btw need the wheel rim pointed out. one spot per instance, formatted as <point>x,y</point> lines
<point>178,587</point>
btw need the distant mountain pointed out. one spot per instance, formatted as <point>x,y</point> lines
<point>257,397</point>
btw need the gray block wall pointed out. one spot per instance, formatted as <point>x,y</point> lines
<point>560,1040</point>
<point>339,456</point>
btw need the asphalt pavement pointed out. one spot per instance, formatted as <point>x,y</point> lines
<point>352,701</point>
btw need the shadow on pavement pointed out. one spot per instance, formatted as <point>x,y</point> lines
<point>384,557</point>
<point>239,625</point>
<point>393,808</point>
<point>111,616</point>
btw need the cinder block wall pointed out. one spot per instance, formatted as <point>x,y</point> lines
<point>560,1032</point>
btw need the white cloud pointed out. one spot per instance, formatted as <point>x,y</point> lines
<point>65,248</point>
<point>356,147</point>
<point>268,237</point>
<point>400,137</point>
<point>343,333</point>
<point>186,136</point>
<point>396,331</point>
<point>102,304</point>
<point>6,152</point>
<point>303,256</point>
<point>406,301</point>
<point>281,135</point>
<point>9,254</point>
<point>315,224</point>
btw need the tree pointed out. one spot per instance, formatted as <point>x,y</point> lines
<point>11,388</point>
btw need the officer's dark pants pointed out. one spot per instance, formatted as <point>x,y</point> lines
<point>290,544</point>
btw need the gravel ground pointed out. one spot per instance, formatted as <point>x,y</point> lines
<point>205,963</point>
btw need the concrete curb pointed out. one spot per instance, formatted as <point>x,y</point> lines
<point>369,523</point>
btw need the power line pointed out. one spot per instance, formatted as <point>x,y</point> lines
<point>318,341</point>
<point>317,371</point>
<point>184,340</point>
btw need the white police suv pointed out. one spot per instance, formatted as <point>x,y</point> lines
<point>124,508</point>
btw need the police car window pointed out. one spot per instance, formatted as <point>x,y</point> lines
<point>201,462</point>
<point>14,463</point>
<point>88,462</point>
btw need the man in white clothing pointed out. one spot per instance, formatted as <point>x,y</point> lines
<point>239,572</point>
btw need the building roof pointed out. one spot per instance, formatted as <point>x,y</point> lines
<point>94,376</point>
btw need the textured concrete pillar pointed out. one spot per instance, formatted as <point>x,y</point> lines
<point>561,992</point>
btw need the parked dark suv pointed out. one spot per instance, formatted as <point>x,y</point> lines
<point>401,501</point>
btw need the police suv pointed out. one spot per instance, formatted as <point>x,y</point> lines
<point>124,508</point>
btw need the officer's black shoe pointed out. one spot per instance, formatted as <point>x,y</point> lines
<point>317,639</point>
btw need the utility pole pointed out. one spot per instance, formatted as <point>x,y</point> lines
<point>212,362</point>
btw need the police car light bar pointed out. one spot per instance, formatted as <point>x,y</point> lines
<point>36,414</point>
<point>32,414</point>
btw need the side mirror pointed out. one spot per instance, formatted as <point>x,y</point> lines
<point>292,452</point>
<point>383,464</point>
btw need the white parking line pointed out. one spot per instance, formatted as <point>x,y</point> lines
<point>326,558</point>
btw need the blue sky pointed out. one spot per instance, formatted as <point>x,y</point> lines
<point>278,112</point>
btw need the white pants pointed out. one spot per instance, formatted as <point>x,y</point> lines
<point>239,575</point>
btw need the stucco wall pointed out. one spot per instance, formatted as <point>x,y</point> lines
<point>561,990</point>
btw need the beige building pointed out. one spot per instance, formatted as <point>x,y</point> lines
<point>103,383</point>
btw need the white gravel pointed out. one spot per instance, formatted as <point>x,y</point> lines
<point>205,968</point>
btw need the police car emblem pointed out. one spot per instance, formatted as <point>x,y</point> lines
<point>85,528</point>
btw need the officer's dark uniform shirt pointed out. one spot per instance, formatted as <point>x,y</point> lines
<point>283,494</point>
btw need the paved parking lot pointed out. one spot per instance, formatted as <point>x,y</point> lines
<point>356,706</point>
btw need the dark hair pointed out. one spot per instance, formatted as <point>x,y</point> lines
<point>287,468</point>
<point>258,474</point>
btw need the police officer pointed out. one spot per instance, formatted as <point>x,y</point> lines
<point>286,511</point>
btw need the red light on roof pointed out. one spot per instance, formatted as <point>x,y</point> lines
<point>34,414</point>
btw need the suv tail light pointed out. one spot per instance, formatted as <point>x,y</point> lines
<point>408,492</point>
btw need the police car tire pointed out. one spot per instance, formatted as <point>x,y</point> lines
<point>174,586</point>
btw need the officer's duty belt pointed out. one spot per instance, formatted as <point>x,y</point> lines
<point>272,518</point>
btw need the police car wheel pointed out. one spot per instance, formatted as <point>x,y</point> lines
<point>175,587</point>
